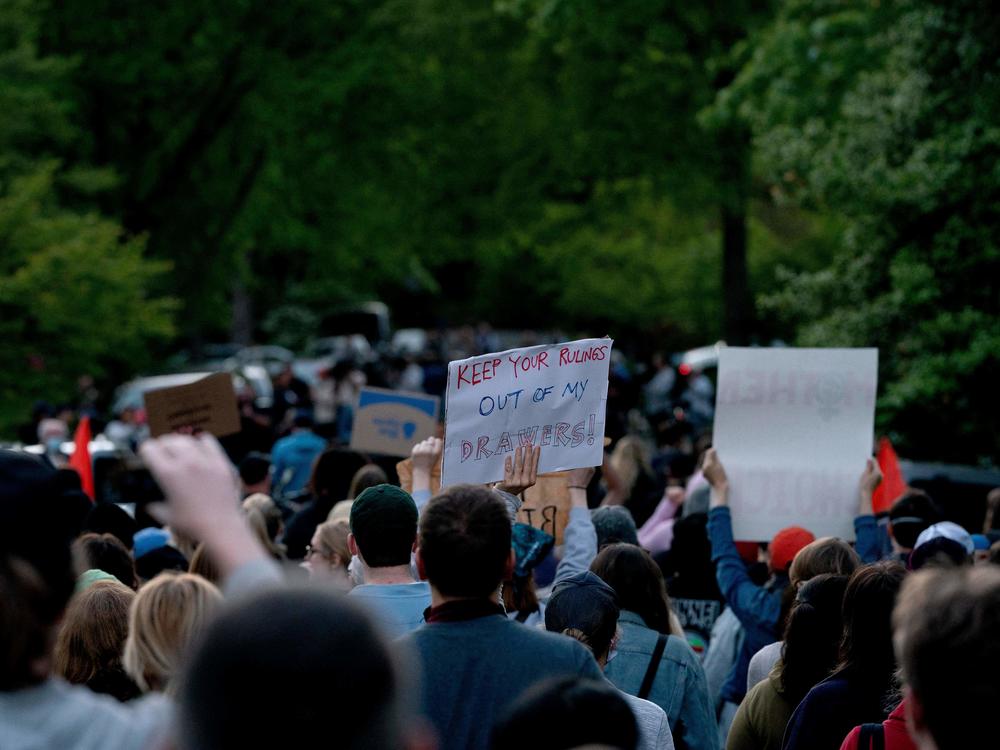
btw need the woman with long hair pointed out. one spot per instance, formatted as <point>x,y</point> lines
<point>862,688</point>
<point>809,653</point>
<point>167,615</point>
<point>652,643</point>
<point>91,638</point>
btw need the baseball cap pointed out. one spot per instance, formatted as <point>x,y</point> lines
<point>146,540</point>
<point>947,530</point>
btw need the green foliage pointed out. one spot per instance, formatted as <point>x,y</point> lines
<point>74,290</point>
<point>885,114</point>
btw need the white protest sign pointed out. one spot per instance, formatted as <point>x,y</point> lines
<point>793,429</point>
<point>553,396</point>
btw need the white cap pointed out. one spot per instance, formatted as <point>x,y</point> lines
<point>948,530</point>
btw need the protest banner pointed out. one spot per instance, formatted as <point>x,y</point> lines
<point>545,505</point>
<point>390,422</point>
<point>553,396</point>
<point>207,405</point>
<point>793,428</point>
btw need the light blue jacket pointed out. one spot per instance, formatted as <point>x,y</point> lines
<point>294,456</point>
<point>679,689</point>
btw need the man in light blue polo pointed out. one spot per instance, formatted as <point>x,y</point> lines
<point>383,536</point>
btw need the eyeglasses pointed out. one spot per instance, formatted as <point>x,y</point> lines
<point>310,551</point>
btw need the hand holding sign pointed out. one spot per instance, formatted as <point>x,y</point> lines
<point>521,471</point>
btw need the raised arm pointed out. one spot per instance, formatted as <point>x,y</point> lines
<point>868,534</point>
<point>749,602</point>
<point>579,537</point>
<point>202,501</point>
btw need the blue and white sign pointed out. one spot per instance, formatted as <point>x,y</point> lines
<point>391,422</point>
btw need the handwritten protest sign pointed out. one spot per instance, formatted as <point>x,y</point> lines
<point>793,428</point>
<point>390,422</point>
<point>553,396</point>
<point>545,505</point>
<point>208,404</point>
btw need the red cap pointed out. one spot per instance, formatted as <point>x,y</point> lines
<point>786,545</point>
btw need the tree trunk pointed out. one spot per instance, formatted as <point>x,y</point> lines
<point>737,299</point>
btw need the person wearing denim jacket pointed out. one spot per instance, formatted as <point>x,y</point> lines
<point>680,687</point>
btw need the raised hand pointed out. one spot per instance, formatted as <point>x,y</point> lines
<point>520,471</point>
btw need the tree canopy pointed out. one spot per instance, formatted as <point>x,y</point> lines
<point>823,172</point>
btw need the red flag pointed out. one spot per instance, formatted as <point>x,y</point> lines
<point>892,485</point>
<point>80,460</point>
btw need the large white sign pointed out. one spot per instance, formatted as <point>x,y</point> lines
<point>793,429</point>
<point>553,396</point>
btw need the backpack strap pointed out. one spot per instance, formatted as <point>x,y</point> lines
<point>872,737</point>
<point>654,665</point>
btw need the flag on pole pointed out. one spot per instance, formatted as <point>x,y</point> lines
<point>892,485</point>
<point>80,460</point>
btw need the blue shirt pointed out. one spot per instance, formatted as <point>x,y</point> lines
<point>757,607</point>
<point>680,687</point>
<point>397,607</point>
<point>297,453</point>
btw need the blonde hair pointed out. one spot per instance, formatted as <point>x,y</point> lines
<point>333,535</point>
<point>341,511</point>
<point>167,614</point>
<point>202,565</point>
<point>629,459</point>
<point>265,521</point>
<point>93,632</point>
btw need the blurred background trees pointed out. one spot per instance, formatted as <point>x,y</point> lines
<point>173,173</point>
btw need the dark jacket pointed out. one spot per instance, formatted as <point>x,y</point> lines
<point>829,712</point>
<point>471,670</point>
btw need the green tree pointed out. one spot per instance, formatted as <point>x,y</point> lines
<point>885,115</point>
<point>74,289</point>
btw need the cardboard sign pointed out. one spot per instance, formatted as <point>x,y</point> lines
<point>544,506</point>
<point>207,405</point>
<point>553,396</point>
<point>391,422</point>
<point>793,429</point>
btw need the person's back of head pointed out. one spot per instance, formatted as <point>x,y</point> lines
<point>813,634</point>
<point>317,658</point>
<point>866,649</point>
<point>91,638</point>
<point>384,526</point>
<point>265,520</point>
<point>638,582</point>
<point>465,542</point>
<point>614,524</point>
<point>584,607</point>
<point>167,616</point>
<point>104,552</point>
<point>910,515</point>
<point>946,624</point>
<point>827,554</point>
<point>369,475</point>
<point>255,469</point>
<point>567,713</point>
<point>108,518</point>
<point>36,572</point>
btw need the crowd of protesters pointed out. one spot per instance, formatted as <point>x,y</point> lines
<point>293,592</point>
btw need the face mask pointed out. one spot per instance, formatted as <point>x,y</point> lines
<point>53,445</point>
